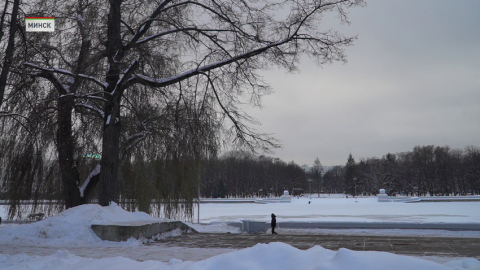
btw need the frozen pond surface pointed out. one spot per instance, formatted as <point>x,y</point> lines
<point>342,209</point>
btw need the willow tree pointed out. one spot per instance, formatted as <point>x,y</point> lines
<point>162,171</point>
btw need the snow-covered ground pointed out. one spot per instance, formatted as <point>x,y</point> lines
<point>65,241</point>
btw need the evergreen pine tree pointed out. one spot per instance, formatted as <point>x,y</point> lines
<point>349,175</point>
<point>317,171</point>
<point>389,179</point>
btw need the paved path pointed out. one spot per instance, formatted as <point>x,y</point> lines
<point>413,246</point>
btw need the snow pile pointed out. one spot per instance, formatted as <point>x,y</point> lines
<point>72,226</point>
<point>259,257</point>
<point>215,227</point>
<point>162,236</point>
<point>470,264</point>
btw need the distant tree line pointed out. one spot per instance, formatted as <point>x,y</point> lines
<point>241,174</point>
<point>432,170</point>
<point>426,170</point>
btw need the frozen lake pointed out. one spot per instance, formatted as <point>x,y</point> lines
<point>342,209</point>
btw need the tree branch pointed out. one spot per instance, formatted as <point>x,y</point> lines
<point>66,72</point>
<point>142,79</point>
<point>97,111</point>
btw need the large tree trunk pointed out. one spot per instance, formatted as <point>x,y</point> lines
<point>110,160</point>
<point>65,147</point>
<point>10,48</point>
<point>111,127</point>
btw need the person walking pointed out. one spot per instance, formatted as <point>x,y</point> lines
<point>274,223</point>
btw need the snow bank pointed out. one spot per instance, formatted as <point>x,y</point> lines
<point>71,227</point>
<point>284,256</point>
<point>259,257</point>
<point>470,264</point>
<point>218,227</point>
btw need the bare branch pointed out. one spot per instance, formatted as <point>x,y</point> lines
<point>243,131</point>
<point>66,72</point>
<point>186,29</point>
<point>138,78</point>
<point>47,74</point>
<point>97,111</point>
<point>146,25</point>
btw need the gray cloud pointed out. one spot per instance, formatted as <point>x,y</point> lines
<point>412,78</point>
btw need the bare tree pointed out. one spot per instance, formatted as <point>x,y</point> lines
<point>423,157</point>
<point>103,55</point>
<point>472,168</point>
<point>231,40</point>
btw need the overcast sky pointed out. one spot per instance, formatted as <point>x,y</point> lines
<point>412,78</point>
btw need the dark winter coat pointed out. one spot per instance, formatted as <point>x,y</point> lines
<point>274,221</point>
